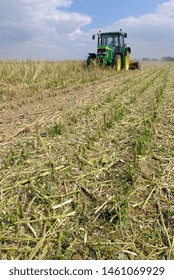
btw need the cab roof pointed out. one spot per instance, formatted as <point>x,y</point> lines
<point>112,33</point>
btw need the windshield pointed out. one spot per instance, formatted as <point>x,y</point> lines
<point>109,40</point>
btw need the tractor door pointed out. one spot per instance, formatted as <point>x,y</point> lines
<point>124,52</point>
<point>121,44</point>
<point>121,56</point>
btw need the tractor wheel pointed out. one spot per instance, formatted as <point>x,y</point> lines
<point>127,61</point>
<point>90,60</point>
<point>117,62</point>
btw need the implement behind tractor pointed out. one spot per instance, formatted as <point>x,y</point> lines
<point>112,51</point>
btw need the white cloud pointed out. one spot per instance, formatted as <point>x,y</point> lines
<point>28,25</point>
<point>167,8</point>
<point>47,29</point>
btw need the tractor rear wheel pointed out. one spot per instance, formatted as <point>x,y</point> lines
<point>117,62</point>
<point>127,61</point>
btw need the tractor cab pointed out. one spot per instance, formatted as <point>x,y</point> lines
<point>111,39</point>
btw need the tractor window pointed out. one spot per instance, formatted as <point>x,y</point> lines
<point>104,40</point>
<point>121,39</point>
<point>109,40</point>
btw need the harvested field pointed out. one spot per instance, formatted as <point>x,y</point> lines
<point>86,161</point>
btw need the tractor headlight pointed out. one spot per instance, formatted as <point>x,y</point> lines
<point>102,53</point>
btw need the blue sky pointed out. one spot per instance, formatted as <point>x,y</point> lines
<point>106,12</point>
<point>62,29</point>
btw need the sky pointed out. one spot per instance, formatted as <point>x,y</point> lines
<point>62,29</point>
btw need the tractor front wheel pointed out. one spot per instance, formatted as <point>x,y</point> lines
<point>117,62</point>
<point>90,60</point>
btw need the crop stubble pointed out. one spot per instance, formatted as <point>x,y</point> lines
<point>86,162</point>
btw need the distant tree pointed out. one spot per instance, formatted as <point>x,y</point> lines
<point>145,58</point>
<point>167,58</point>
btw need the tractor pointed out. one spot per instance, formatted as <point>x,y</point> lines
<point>112,51</point>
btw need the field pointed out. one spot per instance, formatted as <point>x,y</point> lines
<point>86,161</point>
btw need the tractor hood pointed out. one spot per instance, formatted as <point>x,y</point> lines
<point>105,54</point>
<point>105,47</point>
<point>103,50</point>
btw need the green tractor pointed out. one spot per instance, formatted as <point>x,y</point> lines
<point>112,51</point>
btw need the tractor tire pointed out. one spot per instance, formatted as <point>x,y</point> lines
<point>117,63</point>
<point>90,60</point>
<point>127,61</point>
